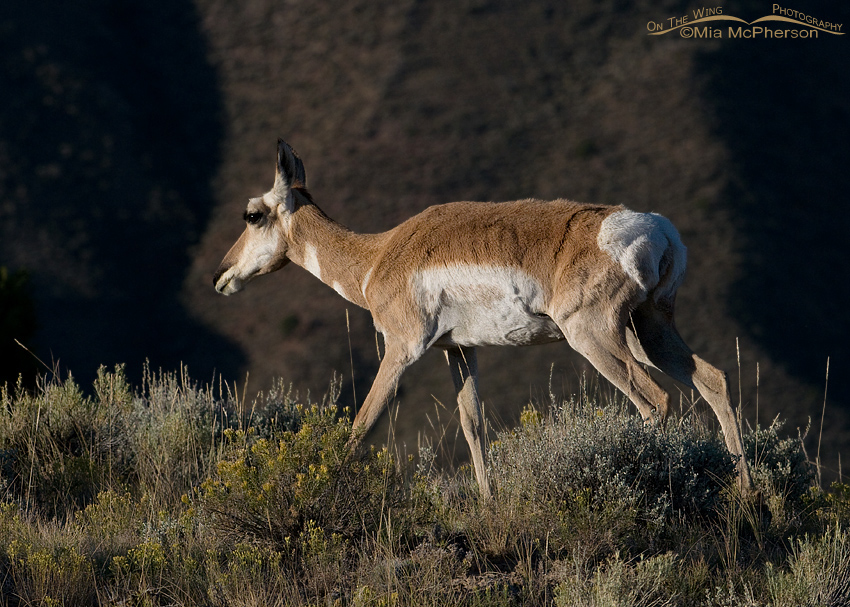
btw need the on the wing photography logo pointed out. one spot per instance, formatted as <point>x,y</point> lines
<point>782,22</point>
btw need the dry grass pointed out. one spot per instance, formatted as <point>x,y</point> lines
<point>174,493</point>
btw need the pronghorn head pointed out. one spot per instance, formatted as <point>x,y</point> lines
<point>264,245</point>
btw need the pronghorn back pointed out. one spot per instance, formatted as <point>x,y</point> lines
<point>527,233</point>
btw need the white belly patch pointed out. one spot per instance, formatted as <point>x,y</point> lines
<point>476,305</point>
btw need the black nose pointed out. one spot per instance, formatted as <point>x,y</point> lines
<point>221,270</point>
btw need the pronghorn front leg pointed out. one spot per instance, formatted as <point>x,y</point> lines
<point>464,367</point>
<point>397,358</point>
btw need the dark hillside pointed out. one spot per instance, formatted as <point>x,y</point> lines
<point>135,136</point>
<point>109,138</point>
<point>784,116</point>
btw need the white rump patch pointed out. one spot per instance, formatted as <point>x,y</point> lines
<point>311,260</point>
<point>477,305</point>
<point>647,247</point>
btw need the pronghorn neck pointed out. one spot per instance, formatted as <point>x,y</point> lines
<point>331,252</point>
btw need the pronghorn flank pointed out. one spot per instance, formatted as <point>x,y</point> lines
<point>469,274</point>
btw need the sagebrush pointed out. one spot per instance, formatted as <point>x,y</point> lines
<point>177,493</point>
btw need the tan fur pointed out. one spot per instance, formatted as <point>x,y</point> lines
<point>464,274</point>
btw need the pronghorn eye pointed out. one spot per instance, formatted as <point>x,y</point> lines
<point>253,218</point>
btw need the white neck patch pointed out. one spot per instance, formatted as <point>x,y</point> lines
<point>366,281</point>
<point>311,260</point>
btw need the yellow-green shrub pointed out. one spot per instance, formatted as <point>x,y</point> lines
<point>273,489</point>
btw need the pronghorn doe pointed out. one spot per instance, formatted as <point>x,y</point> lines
<point>468,274</point>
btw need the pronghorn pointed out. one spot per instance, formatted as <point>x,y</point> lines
<point>469,274</point>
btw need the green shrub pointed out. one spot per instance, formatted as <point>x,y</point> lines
<point>818,572</point>
<point>589,477</point>
<point>57,576</point>
<point>278,488</point>
<point>249,574</point>
<point>616,583</point>
<point>42,564</point>
<point>835,506</point>
<point>170,435</point>
<point>599,455</point>
<point>48,445</point>
<point>112,522</point>
<point>780,470</point>
<point>59,447</point>
<point>175,493</point>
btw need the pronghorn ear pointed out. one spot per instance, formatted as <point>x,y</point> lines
<point>290,170</point>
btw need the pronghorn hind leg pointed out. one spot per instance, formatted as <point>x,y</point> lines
<point>668,352</point>
<point>464,367</point>
<point>603,343</point>
<point>397,358</point>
